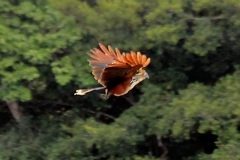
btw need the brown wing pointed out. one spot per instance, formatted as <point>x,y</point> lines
<point>113,76</point>
<point>111,67</point>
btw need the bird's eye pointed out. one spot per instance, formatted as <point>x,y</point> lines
<point>138,72</point>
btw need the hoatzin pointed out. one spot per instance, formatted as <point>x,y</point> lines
<point>118,73</point>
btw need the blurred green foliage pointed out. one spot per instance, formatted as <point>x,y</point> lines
<point>188,109</point>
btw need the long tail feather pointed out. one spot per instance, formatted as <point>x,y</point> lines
<point>84,91</point>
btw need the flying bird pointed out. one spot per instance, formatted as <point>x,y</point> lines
<point>117,72</point>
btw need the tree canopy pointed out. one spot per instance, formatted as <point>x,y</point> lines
<point>189,109</point>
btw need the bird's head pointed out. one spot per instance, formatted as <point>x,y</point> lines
<point>142,74</point>
<point>138,77</point>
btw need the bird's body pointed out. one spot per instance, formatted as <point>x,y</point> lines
<point>118,73</point>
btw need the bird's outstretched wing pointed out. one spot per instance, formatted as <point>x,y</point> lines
<point>111,67</point>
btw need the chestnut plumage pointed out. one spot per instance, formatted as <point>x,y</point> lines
<point>117,72</point>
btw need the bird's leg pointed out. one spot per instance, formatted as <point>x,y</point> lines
<point>105,96</point>
<point>84,91</point>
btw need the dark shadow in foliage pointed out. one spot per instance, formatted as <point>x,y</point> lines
<point>187,148</point>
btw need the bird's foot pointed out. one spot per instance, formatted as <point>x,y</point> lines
<point>104,96</point>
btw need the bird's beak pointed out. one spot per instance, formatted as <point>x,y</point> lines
<point>146,75</point>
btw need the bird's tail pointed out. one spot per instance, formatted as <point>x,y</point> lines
<point>84,91</point>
